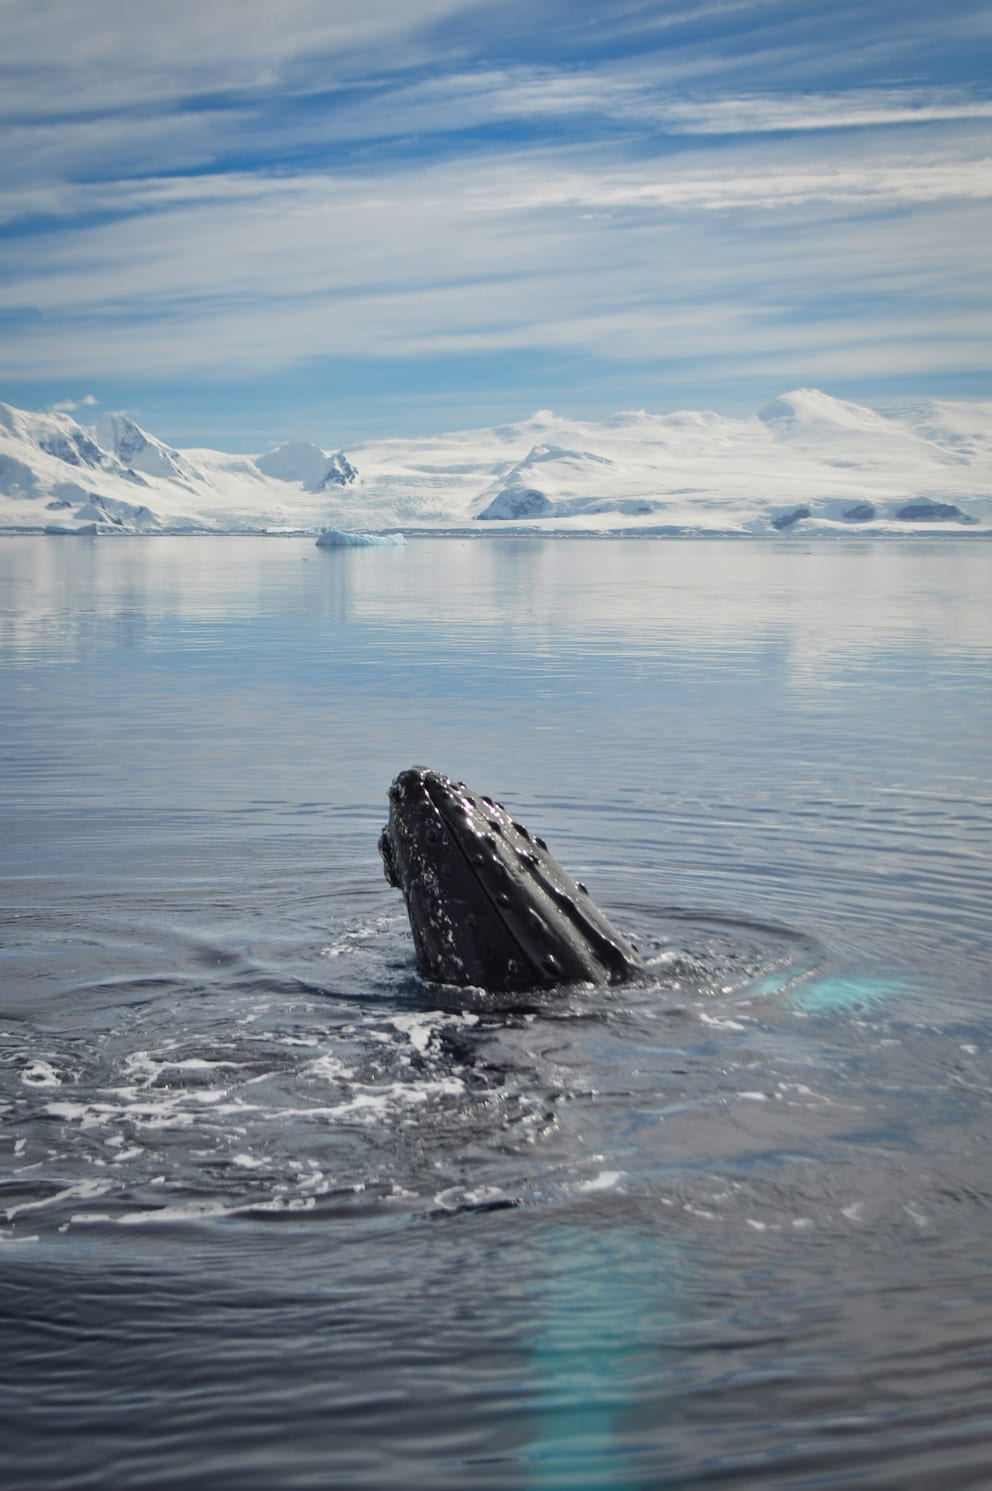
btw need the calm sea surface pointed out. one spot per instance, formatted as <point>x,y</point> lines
<point>276,1213</point>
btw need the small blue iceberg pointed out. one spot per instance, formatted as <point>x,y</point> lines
<point>337,538</point>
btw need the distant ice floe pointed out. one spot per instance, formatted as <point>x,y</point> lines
<point>337,538</point>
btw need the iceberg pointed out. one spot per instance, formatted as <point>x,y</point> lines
<point>337,538</point>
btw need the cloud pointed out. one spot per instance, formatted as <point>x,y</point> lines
<point>66,406</point>
<point>635,94</point>
<point>710,258</point>
<point>111,55</point>
<point>746,184</point>
<point>750,113</point>
<point>233,188</point>
<point>251,235</point>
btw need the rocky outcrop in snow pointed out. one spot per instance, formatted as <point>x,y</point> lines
<point>516,502</point>
<point>932,512</point>
<point>114,513</point>
<point>73,447</point>
<point>861,512</point>
<point>789,519</point>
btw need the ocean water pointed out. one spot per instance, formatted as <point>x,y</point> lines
<point>276,1212</point>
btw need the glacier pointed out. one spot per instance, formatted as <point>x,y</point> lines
<point>806,463</point>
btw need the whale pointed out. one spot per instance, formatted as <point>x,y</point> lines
<point>489,905</point>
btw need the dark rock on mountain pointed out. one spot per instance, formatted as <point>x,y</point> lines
<point>932,512</point>
<point>516,502</point>
<point>861,512</point>
<point>794,515</point>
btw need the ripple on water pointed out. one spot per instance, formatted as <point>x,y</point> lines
<point>282,1096</point>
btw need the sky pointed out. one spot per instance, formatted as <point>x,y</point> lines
<point>247,222</point>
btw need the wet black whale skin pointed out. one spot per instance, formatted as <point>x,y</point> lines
<point>489,904</point>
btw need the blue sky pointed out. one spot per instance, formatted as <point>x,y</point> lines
<point>245,222</point>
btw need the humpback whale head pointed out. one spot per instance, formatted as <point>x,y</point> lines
<point>488,903</point>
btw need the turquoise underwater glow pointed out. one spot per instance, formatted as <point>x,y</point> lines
<point>598,1336</point>
<point>837,993</point>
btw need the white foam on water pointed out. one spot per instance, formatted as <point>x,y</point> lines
<point>373,1104</point>
<point>720,1023</point>
<point>40,1074</point>
<point>457,1197</point>
<point>328,1069</point>
<point>283,1204</point>
<point>351,941</point>
<point>606,1180</point>
<point>80,1189</point>
<point>419,1030</point>
<point>188,1211</point>
<point>799,1095</point>
<point>178,1110</point>
<point>381,1071</point>
<point>149,1066</point>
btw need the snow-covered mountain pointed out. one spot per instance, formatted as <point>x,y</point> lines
<point>137,451</point>
<point>806,462</point>
<point>312,467</point>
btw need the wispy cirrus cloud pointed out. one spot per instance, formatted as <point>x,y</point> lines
<point>62,58</point>
<point>511,251</point>
<point>755,113</point>
<point>234,190</point>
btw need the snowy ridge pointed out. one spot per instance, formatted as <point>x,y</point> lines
<point>806,462</point>
<point>136,451</point>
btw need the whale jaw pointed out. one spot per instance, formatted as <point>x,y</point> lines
<point>489,905</point>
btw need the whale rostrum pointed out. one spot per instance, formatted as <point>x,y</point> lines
<point>489,904</point>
